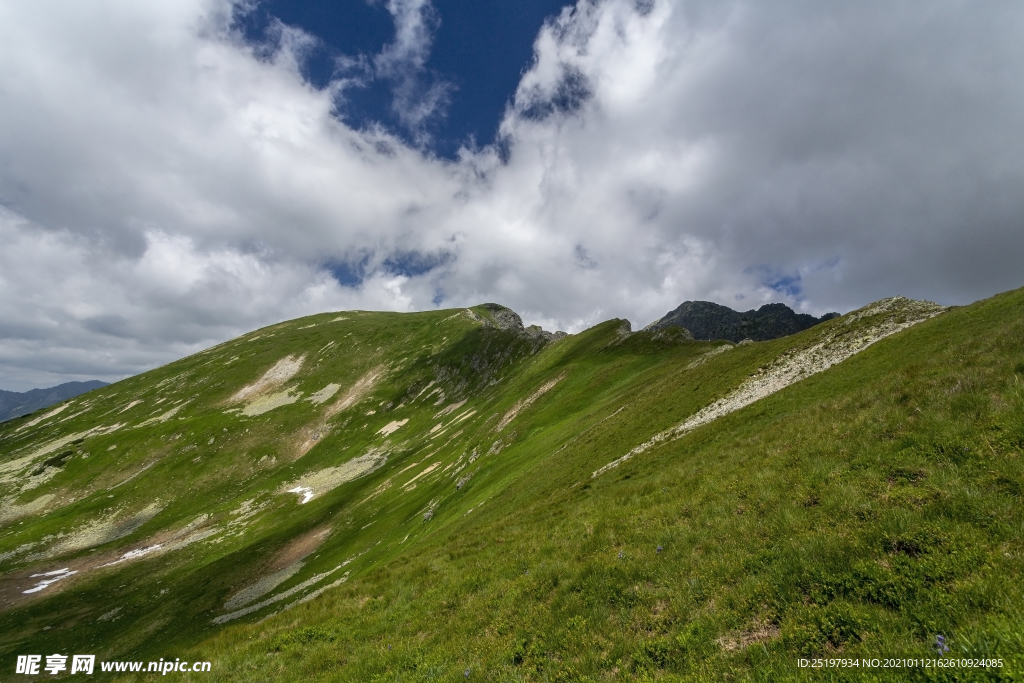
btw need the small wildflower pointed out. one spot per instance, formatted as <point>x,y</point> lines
<point>658,549</point>
<point>467,673</point>
<point>621,554</point>
<point>940,645</point>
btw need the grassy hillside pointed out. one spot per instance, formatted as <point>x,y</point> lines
<point>454,524</point>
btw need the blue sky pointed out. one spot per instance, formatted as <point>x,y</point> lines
<point>478,49</point>
<point>176,173</point>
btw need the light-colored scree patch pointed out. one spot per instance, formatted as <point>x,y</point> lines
<point>324,394</point>
<point>282,371</point>
<point>524,403</point>
<point>451,408</point>
<point>392,427</point>
<point>276,598</point>
<point>46,416</point>
<point>130,406</point>
<point>12,471</point>
<point>164,417</point>
<point>411,484</point>
<point>262,587</point>
<point>101,531</point>
<point>266,403</point>
<point>324,480</point>
<point>357,391</point>
<point>9,511</point>
<point>836,346</point>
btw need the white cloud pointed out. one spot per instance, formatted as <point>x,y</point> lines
<point>167,187</point>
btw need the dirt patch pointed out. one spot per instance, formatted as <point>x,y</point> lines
<point>759,633</point>
<point>261,587</point>
<point>286,563</point>
<point>299,548</point>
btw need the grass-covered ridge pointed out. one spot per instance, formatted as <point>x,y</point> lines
<point>860,511</point>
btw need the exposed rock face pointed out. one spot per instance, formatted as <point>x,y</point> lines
<point>706,320</point>
<point>507,319</point>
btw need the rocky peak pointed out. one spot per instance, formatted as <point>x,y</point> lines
<point>503,318</point>
<point>707,320</point>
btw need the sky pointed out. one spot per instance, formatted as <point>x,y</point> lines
<point>174,174</point>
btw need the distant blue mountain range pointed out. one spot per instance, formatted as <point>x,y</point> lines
<point>15,404</point>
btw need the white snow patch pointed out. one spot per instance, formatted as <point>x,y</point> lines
<point>53,577</point>
<point>304,492</point>
<point>133,555</point>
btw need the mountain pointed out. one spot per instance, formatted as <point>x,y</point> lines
<point>16,404</point>
<point>707,320</point>
<point>364,496</point>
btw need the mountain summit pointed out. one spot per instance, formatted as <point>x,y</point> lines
<point>707,320</point>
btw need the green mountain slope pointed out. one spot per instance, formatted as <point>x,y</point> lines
<point>369,496</point>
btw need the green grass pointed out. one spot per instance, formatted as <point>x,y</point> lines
<point>858,513</point>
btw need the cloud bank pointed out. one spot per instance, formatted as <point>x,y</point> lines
<point>165,186</point>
